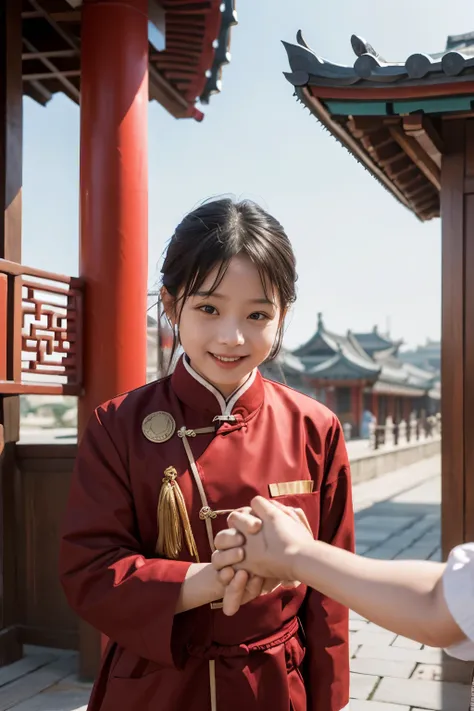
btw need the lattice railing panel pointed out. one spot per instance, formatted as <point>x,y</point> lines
<point>43,328</point>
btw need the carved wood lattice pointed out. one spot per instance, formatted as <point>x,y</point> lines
<point>49,332</point>
<point>42,331</point>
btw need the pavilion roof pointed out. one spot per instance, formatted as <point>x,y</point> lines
<point>330,354</point>
<point>369,357</point>
<point>374,342</point>
<point>187,70</point>
<point>388,114</point>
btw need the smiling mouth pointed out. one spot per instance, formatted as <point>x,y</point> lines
<point>227,359</point>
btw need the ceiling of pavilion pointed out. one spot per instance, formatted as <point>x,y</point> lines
<point>188,70</point>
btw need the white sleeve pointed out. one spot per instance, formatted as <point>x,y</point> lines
<point>458,585</point>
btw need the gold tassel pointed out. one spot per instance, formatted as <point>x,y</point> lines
<point>172,518</point>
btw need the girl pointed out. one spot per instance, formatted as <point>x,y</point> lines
<point>160,468</point>
<point>431,603</point>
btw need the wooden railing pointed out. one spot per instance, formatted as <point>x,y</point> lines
<point>40,331</point>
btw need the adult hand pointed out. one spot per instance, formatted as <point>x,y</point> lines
<point>263,546</point>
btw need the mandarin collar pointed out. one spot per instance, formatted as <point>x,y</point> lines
<point>198,394</point>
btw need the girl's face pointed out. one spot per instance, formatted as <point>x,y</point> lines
<point>232,331</point>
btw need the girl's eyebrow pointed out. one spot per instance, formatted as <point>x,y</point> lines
<point>216,295</point>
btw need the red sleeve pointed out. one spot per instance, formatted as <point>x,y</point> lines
<point>326,623</point>
<point>106,578</point>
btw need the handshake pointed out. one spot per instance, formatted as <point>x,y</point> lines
<point>259,551</point>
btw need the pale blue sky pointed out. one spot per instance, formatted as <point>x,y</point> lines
<point>362,258</point>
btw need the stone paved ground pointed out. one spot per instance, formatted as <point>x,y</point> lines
<point>397,516</point>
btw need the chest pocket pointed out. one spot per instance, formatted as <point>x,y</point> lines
<point>299,495</point>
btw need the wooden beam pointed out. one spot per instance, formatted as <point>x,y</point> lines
<point>11,142</point>
<point>38,92</point>
<point>422,130</point>
<point>452,342</point>
<point>161,90</point>
<point>71,89</point>
<point>416,153</point>
<point>468,334</point>
<point>41,76</point>
<point>11,137</point>
<point>67,37</point>
<point>55,54</point>
<point>351,143</point>
<point>65,16</point>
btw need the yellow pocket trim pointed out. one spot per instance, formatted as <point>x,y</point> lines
<point>304,486</point>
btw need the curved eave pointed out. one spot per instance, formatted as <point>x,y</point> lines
<point>222,56</point>
<point>306,349</point>
<point>394,99</point>
<point>442,74</point>
<point>318,109</point>
<point>187,71</point>
<point>339,367</point>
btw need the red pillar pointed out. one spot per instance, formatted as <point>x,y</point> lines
<point>114,210</point>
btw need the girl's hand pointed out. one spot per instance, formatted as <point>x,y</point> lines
<point>270,584</point>
<point>228,558</point>
<point>249,586</point>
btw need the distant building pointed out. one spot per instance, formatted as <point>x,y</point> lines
<point>427,357</point>
<point>358,373</point>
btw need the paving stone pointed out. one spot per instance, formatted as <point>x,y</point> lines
<point>383,667</point>
<point>25,666</point>
<point>415,554</point>
<point>362,685</point>
<point>74,681</point>
<point>353,647</point>
<point>56,700</point>
<point>434,695</point>
<point>427,655</point>
<point>406,643</point>
<point>366,537</point>
<point>381,522</point>
<point>30,650</point>
<point>33,684</point>
<point>449,670</point>
<point>373,637</point>
<point>356,625</point>
<point>358,705</point>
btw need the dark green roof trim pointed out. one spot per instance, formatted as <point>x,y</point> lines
<point>447,104</point>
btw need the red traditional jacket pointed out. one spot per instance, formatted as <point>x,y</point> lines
<point>284,651</point>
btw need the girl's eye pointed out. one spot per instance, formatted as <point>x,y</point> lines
<point>258,316</point>
<point>208,309</point>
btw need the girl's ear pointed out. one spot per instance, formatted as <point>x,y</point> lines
<point>169,305</point>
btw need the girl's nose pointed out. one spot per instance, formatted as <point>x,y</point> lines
<point>231,335</point>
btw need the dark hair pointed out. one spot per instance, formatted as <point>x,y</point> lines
<point>211,235</point>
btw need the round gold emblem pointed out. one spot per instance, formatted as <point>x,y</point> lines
<point>158,427</point>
